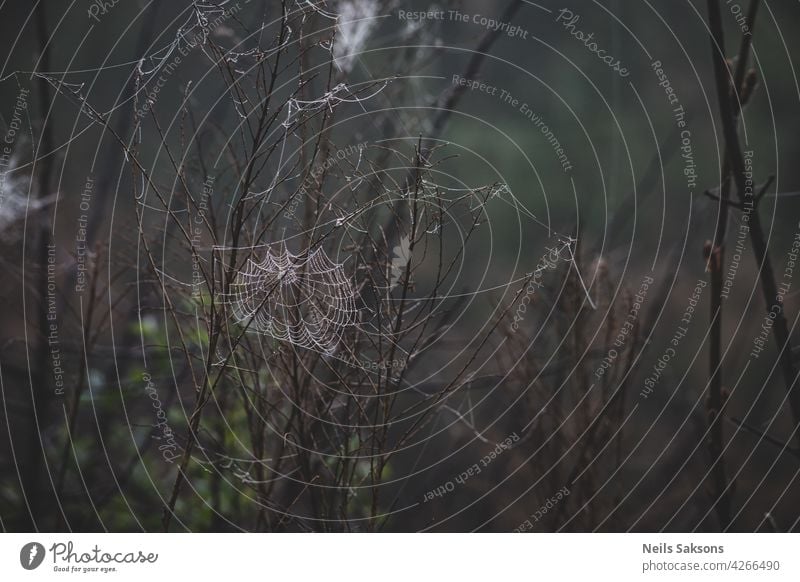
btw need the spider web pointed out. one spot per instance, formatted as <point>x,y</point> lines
<point>306,300</point>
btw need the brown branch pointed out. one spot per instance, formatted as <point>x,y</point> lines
<point>736,161</point>
<point>452,97</point>
<point>449,100</point>
<point>729,95</point>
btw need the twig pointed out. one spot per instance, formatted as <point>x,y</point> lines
<point>451,98</point>
<point>736,160</point>
<point>714,260</point>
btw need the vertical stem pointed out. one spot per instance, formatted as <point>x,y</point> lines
<point>83,373</point>
<point>769,287</point>
<point>721,491</point>
<point>716,256</point>
<point>40,392</point>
